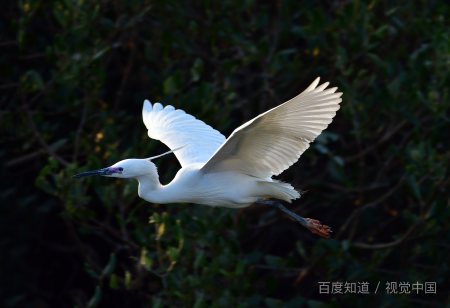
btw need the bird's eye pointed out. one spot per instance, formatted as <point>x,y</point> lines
<point>120,169</point>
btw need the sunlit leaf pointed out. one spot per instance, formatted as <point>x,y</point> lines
<point>95,300</point>
<point>113,282</point>
<point>109,269</point>
<point>127,279</point>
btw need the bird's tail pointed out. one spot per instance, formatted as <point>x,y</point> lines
<point>284,191</point>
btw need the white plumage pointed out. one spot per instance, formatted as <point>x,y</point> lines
<point>274,140</point>
<point>175,129</point>
<point>237,171</point>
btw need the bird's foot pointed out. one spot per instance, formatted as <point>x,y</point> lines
<point>317,228</point>
<point>313,225</point>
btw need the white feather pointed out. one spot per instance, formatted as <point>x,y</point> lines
<point>274,140</point>
<point>176,129</point>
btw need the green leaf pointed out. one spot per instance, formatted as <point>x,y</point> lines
<point>377,60</point>
<point>101,53</point>
<point>174,83</point>
<point>321,148</point>
<point>338,160</point>
<point>138,17</point>
<point>240,266</point>
<point>394,86</point>
<point>127,279</point>
<point>274,303</point>
<point>161,229</point>
<point>199,300</point>
<point>413,187</point>
<point>198,259</point>
<point>157,303</point>
<point>201,224</point>
<point>58,11</point>
<point>173,254</point>
<point>109,269</point>
<point>271,284</point>
<point>88,269</point>
<point>32,81</point>
<point>295,302</point>
<point>154,219</point>
<point>145,260</point>
<point>301,250</point>
<point>380,31</point>
<point>231,96</point>
<point>345,245</point>
<point>44,171</point>
<point>179,234</point>
<point>392,11</point>
<point>197,69</point>
<point>43,184</point>
<point>95,12</point>
<point>254,300</point>
<point>341,58</point>
<point>53,163</point>
<point>69,3</point>
<point>287,51</point>
<point>58,144</point>
<point>316,304</point>
<point>336,171</point>
<point>95,300</point>
<point>169,85</point>
<point>113,282</point>
<point>131,188</point>
<point>275,261</point>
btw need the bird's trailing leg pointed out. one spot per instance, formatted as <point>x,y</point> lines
<point>313,225</point>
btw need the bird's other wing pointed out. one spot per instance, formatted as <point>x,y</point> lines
<point>274,140</point>
<point>176,129</point>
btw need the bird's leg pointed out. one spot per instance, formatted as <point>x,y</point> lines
<point>313,225</point>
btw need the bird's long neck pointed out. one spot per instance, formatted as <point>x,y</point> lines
<point>149,186</point>
<point>151,190</point>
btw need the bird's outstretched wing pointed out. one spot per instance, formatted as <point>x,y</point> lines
<point>175,129</point>
<point>274,140</point>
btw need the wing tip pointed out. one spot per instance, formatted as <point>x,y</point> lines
<point>146,109</point>
<point>157,107</point>
<point>332,90</point>
<point>313,85</point>
<point>147,105</point>
<point>322,87</point>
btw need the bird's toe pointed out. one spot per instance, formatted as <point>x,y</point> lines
<point>317,228</point>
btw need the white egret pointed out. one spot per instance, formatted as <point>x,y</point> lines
<point>234,172</point>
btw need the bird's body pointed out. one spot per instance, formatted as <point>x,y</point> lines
<point>234,172</point>
<point>226,189</point>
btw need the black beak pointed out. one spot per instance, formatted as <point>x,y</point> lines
<point>105,171</point>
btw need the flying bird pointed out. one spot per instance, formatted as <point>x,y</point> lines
<point>234,172</point>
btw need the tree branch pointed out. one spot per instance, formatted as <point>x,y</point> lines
<point>391,244</point>
<point>23,159</point>
<point>125,78</point>
<point>38,136</point>
<point>386,137</point>
<point>371,204</point>
<point>419,221</point>
<point>80,128</point>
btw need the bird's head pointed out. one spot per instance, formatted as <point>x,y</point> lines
<point>128,168</point>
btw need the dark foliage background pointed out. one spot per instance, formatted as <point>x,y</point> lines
<point>74,75</point>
